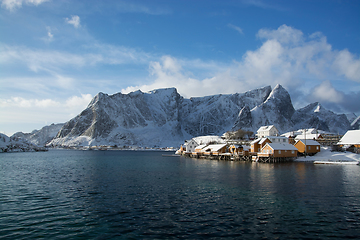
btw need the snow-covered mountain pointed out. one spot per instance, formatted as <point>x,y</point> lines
<point>315,115</point>
<point>16,144</point>
<point>351,116</point>
<point>41,137</point>
<point>164,118</point>
<point>355,124</point>
<point>276,109</point>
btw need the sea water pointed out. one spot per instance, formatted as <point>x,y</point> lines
<point>68,194</point>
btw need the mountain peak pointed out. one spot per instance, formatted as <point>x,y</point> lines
<point>164,91</point>
<point>318,108</point>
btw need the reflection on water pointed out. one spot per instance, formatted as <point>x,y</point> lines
<point>90,194</point>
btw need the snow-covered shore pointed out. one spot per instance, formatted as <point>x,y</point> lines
<point>325,155</point>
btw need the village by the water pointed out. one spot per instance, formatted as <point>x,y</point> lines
<point>269,146</point>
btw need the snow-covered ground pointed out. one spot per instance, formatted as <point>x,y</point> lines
<point>325,155</point>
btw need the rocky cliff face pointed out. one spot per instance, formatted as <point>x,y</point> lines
<point>276,110</point>
<point>164,118</point>
<point>355,124</point>
<point>315,115</point>
<point>17,144</point>
<point>40,137</point>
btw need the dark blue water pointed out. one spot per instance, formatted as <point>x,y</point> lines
<point>64,194</point>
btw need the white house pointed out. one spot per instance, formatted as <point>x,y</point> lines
<point>193,143</point>
<point>278,139</point>
<point>351,138</point>
<point>266,131</point>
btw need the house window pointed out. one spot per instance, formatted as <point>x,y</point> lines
<point>292,151</point>
<point>317,147</point>
<point>279,151</point>
<point>309,147</point>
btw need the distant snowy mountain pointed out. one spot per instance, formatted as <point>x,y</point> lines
<point>351,116</point>
<point>355,125</point>
<point>16,144</point>
<point>164,118</point>
<point>316,116</point>
<point>41,137</point>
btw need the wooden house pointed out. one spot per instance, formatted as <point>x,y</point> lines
<point>278,150</point>
<point>200,148</point>
<point>181,150</point>
<point>235,149</point>
<point>266,131</point>
<point>312,146</point>
<point>351,139</point>
<point>259,143</point>
<point>195,142</point>
<point>191,145</point>
<point>215,149</point>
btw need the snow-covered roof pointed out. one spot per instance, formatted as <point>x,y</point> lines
<point>308,131</point>
<point>214,147</point>
<point>255,141</point>
<point>259,140</point>
<point>309,142</point>
<point>207,139</point>
<point>265,128</point>
<point>200,147</point>
<point>276,137</point>
<point>281,146</point>
<point>263,140</point>
<point>307,136</point>
<point>351,137</point>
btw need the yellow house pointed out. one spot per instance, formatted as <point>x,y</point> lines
<point>312,146</point>
<point>215,149</point>
<point>278,150</point>
<point>259,143</point>
<point>235,149</point>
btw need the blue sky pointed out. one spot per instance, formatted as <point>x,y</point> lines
<point>56,55</point>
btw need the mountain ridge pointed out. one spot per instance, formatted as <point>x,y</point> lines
<point>162,117</point>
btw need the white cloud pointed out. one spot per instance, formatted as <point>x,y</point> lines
<point>286,56</point>
<point>72,102</point>
<point>284,34</point>
<point>49,36</point>
<point>325,92</point>
<point>76,101</point>
<point>75,21</point>
<point>347,64</point>
<point>238,29</point>
<point>168,72</point>
<point>40,59</point>
<point>19,112</point>
<point>13,4</point>
<point>19,102</point>
<point>45,60</point>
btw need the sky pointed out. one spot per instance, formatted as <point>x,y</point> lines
<point>56,55</point>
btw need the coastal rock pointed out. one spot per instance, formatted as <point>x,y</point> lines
<point>17,144</point>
